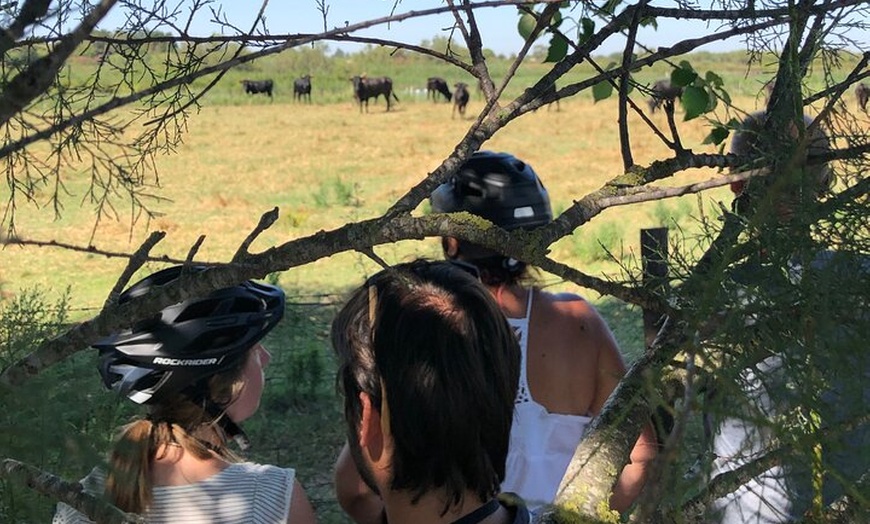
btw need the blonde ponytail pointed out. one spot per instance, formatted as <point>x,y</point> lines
<point>129,481</point>
<point>178,421</point>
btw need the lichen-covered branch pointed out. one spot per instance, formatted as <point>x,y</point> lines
<point>69,493</point>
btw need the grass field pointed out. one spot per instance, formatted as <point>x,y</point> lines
<point>324,165</point>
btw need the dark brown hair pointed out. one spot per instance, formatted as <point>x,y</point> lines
<point>449,364</point>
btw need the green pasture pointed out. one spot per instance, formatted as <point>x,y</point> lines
<point>326,165</point>
<point>322,165</point>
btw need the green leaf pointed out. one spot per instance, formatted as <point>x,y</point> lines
<point>602,90</point>
<point>526,25</point>
<point>683,76</point>
<point>585,30</point>
<point>649,21</point>
<point>610,6</point>
<point>714,79</point>
<point>558,49</point>
<point>695,101</point>
<point>588,27</point>
<point>717,135</point>
<point>712,102</point>
<point>556,20</point>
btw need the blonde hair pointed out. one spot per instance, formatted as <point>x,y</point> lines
<point>179,421</point>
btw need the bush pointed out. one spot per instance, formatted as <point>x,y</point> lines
<point>59,421</point>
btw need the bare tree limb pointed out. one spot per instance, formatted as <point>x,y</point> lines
<point>194,249</point>
<point>266,220</point>
<point>627,59</point>
<point>69,493</point>
<point>30,12</point>
<point>39,75</point>
<point>135,262</point>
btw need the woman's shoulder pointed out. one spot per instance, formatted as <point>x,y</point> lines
<point>254,469</point>
<point>566,306</point>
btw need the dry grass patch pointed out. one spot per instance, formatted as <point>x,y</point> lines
<point>326,165</point>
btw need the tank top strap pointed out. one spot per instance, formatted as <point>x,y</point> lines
<point>529,303</point>
<point>521,330</point>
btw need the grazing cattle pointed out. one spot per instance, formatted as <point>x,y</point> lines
<point>460,99</point>
<point>435,85</point>
<point>550,94</point>
<point>662,91</point>
<point>365,88</point>
<point>862,93</point>
<point>252,87</point>
<point>302,88</point>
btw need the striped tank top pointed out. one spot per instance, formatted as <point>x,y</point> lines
<point>242,493</point>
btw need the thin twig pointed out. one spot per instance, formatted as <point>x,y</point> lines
<point>136,261</point>
<point>627,57</point>
<point>194,249</point>
<point>369,252</point>
<point>266,220</point>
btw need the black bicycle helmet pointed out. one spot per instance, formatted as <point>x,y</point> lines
<point>186,342</point>
<point>498,187</point>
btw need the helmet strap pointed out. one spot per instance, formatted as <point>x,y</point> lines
<point>229,427</point>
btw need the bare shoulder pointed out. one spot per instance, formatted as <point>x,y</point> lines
<point>573,315</point>
<point>572,340</point>
<point>572,307</point>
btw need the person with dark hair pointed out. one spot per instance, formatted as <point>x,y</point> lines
<point>198,366</point>
<point>428,370</point>
<point>789,380</point>
<point>570,360</point>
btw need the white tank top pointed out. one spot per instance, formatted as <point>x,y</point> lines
<point>541,443</point>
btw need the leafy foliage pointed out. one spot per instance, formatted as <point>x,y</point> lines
<point>60,421</point>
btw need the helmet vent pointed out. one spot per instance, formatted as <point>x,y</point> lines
<point>217,338</point>
<point>199,309</point>
<point>524,212</point>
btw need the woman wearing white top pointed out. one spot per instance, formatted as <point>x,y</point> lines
<point>571,362</point>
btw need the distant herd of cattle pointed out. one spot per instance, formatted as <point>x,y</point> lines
<point>364,88</point>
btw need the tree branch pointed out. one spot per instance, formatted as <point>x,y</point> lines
<point>39,75</point>
<point>136,261</point>
<point>69,493</point>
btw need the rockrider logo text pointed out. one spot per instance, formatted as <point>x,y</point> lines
<point>163,361</point>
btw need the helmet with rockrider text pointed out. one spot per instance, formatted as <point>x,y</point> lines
<point>498,187</point>
<point>183,345</point>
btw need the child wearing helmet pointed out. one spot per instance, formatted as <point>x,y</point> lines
<point>570,360</point>
<point>198,367</point>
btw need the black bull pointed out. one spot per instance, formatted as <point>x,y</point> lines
<point>252,87</point>
<point>661,92</point>
<point>435,85</point>
<point>862,93</point>
<point>365,88</point>
<point>302,88</point>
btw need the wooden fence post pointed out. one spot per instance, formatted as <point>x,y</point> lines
<point>654,253</point>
